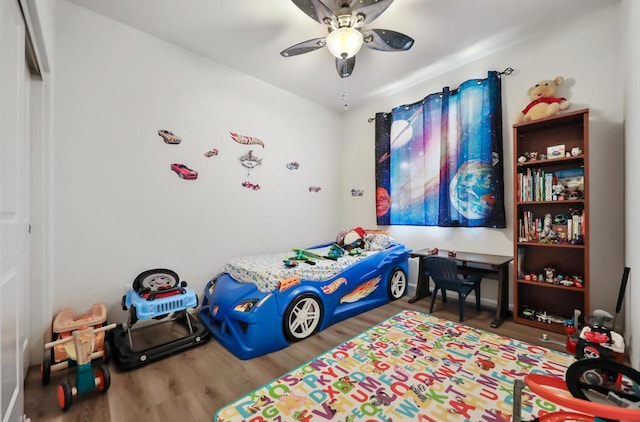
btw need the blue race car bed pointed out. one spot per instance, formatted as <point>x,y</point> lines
<point>259,304</point>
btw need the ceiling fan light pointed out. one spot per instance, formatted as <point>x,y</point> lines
<point>344,42</point>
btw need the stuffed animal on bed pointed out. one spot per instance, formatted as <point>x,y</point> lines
<point>352,239</point>
<point>543,102</point>
<point>368,240</point>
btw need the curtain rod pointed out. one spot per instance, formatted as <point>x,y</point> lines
<point>507,71</point>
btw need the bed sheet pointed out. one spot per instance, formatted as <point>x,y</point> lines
<point>267,271</point>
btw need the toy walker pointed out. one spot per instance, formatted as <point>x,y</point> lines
<point>159,295</point>
<point>79,347</point>
<point>64,324</point>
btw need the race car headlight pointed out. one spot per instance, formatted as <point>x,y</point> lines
<point>246,306</point>
<point>212,286</point>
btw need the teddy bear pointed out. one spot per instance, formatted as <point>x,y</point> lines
<point>543,103</point>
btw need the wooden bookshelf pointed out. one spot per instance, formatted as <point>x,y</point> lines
<point>563,251</point>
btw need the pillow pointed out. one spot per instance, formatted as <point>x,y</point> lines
<point>376,242</point>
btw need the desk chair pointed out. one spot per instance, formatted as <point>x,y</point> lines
<point>445,275</point>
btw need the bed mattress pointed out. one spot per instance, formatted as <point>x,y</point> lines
<point>267,271</point>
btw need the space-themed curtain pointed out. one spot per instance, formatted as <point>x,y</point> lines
<point>439,161</point>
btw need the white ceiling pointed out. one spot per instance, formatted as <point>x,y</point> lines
<point>248,35</point>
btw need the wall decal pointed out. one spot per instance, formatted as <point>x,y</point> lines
<point>357,192</point>
<point>211,153</point>
<point>246,140</point>
<point>250,185</point>
<point>184,172</point>
<point>314,188</point>
<point>169,137</point>
<point>250,161</point>
<point>293,165</point>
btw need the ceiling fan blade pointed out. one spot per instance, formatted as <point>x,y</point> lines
<point>345,66</point>
<point>370,9</point>
<point>386,40</point>
<point>315,9</point>
<point>304,47</point>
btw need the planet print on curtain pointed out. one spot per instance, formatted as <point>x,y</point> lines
<point>440,160</point>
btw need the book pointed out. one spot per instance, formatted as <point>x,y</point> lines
<point>573,182</point>
<point>548,185</point>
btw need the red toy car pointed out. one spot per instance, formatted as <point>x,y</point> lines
<point>184,172</point>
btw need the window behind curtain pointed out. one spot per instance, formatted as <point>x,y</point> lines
<point>439,162</point>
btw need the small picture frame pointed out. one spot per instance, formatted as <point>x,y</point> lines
<point>555,151</point>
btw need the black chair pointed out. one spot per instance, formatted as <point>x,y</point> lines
<point>445,275</point>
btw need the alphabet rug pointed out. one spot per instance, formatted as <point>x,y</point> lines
<point>411,367</point>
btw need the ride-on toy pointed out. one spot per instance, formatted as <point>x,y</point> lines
<point>600,385</point>
<point>64,324</point>
<point>156,294</point>
<point>79,347</point>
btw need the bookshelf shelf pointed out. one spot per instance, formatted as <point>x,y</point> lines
<point>566,201</point>
<point>552,162</point>
<point>544,285</point>
<point>551,245</point>
<point>551,202</point>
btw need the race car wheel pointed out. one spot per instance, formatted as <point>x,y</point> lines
<point>397,284</point>
<point>155,280</point>
<point>302,318</point>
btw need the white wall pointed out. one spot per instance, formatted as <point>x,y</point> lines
<point>631,13</point>
<point>587,53</point>
<point>119,210</point>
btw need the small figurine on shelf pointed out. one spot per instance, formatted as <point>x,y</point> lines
<point>547,234</point>
<point>452,253</point>
<point>549,274</point>
<point>558,192</point>
<point>578,281</point>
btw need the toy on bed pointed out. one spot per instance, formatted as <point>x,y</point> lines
<point>79,348</point>
<point>63,326</point>
<point>261,304</point>
<point>160,295</point>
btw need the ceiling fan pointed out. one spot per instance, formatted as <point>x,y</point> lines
<point>345,22</point>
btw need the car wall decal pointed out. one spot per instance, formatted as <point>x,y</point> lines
<point>250,185</point>
<point>294,165</point>
<point>211,153</point>
<point>169,137</point>
<point>184,172</point>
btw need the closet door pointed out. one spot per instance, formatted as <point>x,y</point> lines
<point>14,210</point>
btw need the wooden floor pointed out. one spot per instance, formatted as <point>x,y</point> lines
<point>193,385</point>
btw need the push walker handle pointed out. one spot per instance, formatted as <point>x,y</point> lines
<point>51,344</point>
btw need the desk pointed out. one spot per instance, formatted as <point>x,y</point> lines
<point>480,263</point>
